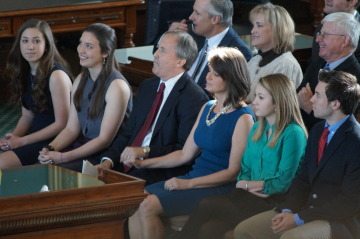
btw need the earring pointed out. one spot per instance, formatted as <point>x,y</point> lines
<point>104,60</point>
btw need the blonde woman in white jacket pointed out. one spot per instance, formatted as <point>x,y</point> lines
<point>273,35</point>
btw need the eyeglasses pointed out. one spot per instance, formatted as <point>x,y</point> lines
<point>325,34</point>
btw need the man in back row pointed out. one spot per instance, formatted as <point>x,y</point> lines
<point>211,19</point>
<point>324,199</point>
<point>338,40</point>
<point>331,6</point>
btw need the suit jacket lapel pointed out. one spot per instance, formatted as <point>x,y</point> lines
<point>313,168</point>
<point>357,16</point>
<point>170,102</point>
<point>202,78</point>
<point>146,106</point>
<point>347,65</point>
<point>333,145</point>
<point>226,39</point>
<point>224,42</point>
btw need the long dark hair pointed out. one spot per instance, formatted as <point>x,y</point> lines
<point>107,41</point>
<point>17,69</point>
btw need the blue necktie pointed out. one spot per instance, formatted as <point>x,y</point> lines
<point>201,57</point>
<point>327,67</point>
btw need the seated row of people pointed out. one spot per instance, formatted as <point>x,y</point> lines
<point>171,126</point>
<point>218,214</point>
<point>335,42</point>
<point>63,122</point>
<point>215,144</point>
<point>269,162</point>
<point>274,155</point>
<point>323,200</point>
<point>273,35</point>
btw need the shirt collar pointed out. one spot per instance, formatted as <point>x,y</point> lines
<point>214,41</point>
<point>170,83</point>
<point>334,127</point>
<point>336,63</point>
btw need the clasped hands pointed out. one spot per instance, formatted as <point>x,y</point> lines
<point>11,141</point>
<point>254,187</point>
<point>177,184</point>
<point>132,156</point>
<point>50,157</point>
<point>282,222</point>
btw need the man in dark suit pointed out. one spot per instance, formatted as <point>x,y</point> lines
<point>338,40</point>
<point>211,19</point>
<point>331,6</point>
<point>324,199</point>
<point>181,103</point>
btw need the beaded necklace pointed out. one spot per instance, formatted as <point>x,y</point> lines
<point>217,115</point>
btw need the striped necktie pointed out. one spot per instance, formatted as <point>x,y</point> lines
<point>201,59</point>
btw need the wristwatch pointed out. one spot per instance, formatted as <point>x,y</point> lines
<point>146,150</point>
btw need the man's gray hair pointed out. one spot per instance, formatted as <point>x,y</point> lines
<point>224,9</point>
<point>345,23</point>
<point>186,47</point>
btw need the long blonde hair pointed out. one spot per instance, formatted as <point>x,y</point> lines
<point>287,109</point>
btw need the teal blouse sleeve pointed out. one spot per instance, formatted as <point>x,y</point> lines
<point>291,149</point>
<point>245,169</point>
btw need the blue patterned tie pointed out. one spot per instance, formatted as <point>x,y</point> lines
<point>201,59</point>
<point>327,67</point>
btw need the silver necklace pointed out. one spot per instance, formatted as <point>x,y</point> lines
<point>217,115</point>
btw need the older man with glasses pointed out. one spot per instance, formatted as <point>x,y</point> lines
<point>331,6</point>
<point>337,40</point>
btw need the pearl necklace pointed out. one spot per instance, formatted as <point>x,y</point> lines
<point>217,115</point>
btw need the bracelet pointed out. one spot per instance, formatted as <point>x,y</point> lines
<point>49,147</point>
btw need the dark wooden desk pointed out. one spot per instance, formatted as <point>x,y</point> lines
<point>65,16</point>
<point>70,15</point>
<point>76,205</point>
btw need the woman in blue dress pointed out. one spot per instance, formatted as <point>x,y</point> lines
<point>221,123</point>
<point>38,77</point>
<point>100,102</point>
<point>274,151</point>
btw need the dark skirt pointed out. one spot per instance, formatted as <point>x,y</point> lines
<point>182,202</point>
<point>29,154</point>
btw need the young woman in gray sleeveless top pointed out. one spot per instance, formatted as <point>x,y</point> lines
<point>101,100</point>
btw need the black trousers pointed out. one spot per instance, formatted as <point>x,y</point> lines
<point>216,215</point>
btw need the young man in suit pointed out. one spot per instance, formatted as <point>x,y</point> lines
<point>181,102</point>
<point>324,199</point>
<point>211,19</point>
<point>338,39</point>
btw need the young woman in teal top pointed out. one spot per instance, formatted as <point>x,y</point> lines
<point>271,168</point>
<point>275,148</point>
